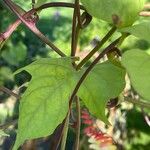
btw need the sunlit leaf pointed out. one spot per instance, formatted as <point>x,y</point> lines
<point>117,12</point>
<point>44,104</point>
<point>105,81</point>
<point>137,64</point>
<point>141,30</point>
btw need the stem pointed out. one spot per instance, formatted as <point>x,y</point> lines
<point>56,136</point>
<point>101,55</point>
<point>65,132</point>
<point>5,35</point>
<point>9,92</point>
<point>33,3</point>
<point>44,6</point>
<point>33,28</point>
<point>137,102</point>
<point>77,143</point>
<point>99,45</point>
<point>7,124</point>
<point>78,13</point>
<point>57,4</point>
<point>146,117</point>
<point>74,23</point>
<point>124,36</point>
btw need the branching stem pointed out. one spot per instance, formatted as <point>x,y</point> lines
<point>31,25</point>
<point>98,46</point>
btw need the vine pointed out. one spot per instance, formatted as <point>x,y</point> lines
<point>75,81</point>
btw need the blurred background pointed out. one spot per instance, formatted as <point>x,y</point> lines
<point>129,130</point>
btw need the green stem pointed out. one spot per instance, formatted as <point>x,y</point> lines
<point>138,102</point>
<point>99,45</point>
<point>124,36</point>
<point>77,143</point>
<point>87,71</point>
<point>65,132</point>
<point>74,29</point>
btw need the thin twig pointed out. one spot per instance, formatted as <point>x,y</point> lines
<point>57,136</point>
<point>99,45</point>
<point>77,143</point>
<point>74,23</point>
<point>77,5</point>
<point>85,74</point>
<point>57,4</point>
<point>65,132</point>
<point>31,25</point>
<point>146,117</point>
<point>138,102</point>
<point>8,124</point>
<point>5,35</point>
<point>9,92</point>
<point>33,3</point>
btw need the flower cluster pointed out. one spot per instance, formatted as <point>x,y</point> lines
<point>91,130</point>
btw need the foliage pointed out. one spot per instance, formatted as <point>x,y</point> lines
<point>54,82</point>
<point>121,13</point>
<point>137,64</point>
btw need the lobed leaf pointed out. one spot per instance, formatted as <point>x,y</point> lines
<point>44,104</point>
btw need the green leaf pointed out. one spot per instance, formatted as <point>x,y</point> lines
<point>104,82</point>
<point>141,30</point>
<point>121,13</point>
<point>137,64</point>
<point>45,103</point>
<point>2,133</point>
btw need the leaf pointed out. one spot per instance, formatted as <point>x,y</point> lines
<point>137,64</point>
<point>121,13</point>
<point>45,103</point>
<point>2,133</point>
<point>141,30</point>
<point>104,82</point>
